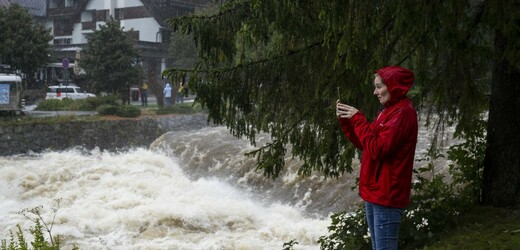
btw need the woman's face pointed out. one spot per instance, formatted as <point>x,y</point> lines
<point>381,91</point>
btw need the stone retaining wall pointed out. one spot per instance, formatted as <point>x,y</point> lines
<point>107,135</point>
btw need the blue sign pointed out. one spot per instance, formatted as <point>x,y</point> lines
<point>4,93</point>
<point>65,63</point>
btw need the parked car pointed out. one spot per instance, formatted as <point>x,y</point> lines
<point>72,92</point>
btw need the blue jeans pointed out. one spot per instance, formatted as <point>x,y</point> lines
<point>168,101</point>
<point>383,223</point>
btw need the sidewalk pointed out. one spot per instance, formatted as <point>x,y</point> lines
<point>30,112</point>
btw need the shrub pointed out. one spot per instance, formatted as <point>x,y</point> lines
<point>107,109</point>
<point>435,204</point>
<point>180,108</point>
<point>88,104</point>
<point>51,104</point>
<point>64,104</point>
<point>97,101</point>
<point>128,111</point>
<point>19,242</point>
<point>81,105</point>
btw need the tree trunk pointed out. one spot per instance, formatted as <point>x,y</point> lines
<point>501,185</point>
<point>154,85</point>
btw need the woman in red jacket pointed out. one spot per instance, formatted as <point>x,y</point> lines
<point>388,146</point>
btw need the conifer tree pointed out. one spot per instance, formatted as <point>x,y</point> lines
<point>279,67</point>
<point>24,44</point>
<point>111,61</point>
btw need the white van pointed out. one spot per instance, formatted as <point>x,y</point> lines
<point>70,91</point>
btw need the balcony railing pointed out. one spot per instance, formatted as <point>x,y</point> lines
<point>88,26</point>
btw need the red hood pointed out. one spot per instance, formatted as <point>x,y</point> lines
<point>398,80</point>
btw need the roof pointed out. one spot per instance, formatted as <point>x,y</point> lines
<point>35,7</point>
<point>164,9</point>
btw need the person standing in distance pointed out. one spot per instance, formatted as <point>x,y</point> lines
<point>167,95</point>
<point>144,94</point>
<point>388,146</point>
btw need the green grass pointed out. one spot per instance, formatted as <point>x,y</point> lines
<point>21,120</point>
<point>483,228</point>
<point>181,108</point>
<point>151,110</point>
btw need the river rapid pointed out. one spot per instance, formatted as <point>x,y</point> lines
<point>188,190</point>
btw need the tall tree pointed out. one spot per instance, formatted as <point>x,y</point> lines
<point>24,44</point>
<point>110,60</point>
<point>502,160</point>
<point>279,66</point>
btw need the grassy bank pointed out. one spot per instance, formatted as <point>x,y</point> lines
<point>152,110</point>
<point>483,228</point>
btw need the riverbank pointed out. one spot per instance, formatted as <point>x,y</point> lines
<point>104,132</point>
<point>482,227</point>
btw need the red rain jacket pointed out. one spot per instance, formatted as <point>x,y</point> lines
<point>388,143</point>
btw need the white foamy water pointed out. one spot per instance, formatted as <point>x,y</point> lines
<point>191,190</point>
<point>142,199</point>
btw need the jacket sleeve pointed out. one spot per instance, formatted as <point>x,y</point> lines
<point>348,130</point>
<point>381,138</point>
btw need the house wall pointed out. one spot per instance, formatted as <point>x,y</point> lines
<point>147,27</point>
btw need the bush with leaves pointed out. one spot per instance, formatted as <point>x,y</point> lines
<point>19,242</point>
<point>88,104</point>
<point>97,101</point>
<point>63,104</point>
<point>436,203</point>
<point>106,109</point>
<point>51,105</point>
<point>180,108</point>
<point>348,231</point>
<point>128,111</point>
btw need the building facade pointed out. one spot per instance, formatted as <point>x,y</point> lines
<point>71,22</point>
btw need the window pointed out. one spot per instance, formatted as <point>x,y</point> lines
<point>119,14</point>
<point>88,16</point>
<point>62,41</point>
<point>69,3</point>
<point>53,4</point>
<point>134,35</point>
<point>166,35</point>
<point>63,27</point>
<point>102,15</point>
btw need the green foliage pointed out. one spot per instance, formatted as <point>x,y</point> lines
<point>348,231</point>
<point>107,109</point>
<point>289,245</point>
<point>38,233</point>
<point>184,50</point>
<point>102,100</point>
<point>468,157</point>
<point>180,108</point>
<point>482,227</point>
<point>80,105</point>
<point>88,104</point>
<point>436,204</point>
<point>24,44</point>
<point>51,104</point>
<point>128,111</point>
<point>111,61</point>
<point>38,243</point>
<point>275,66</point>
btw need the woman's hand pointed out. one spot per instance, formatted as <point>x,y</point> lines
<point>344,110</point>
